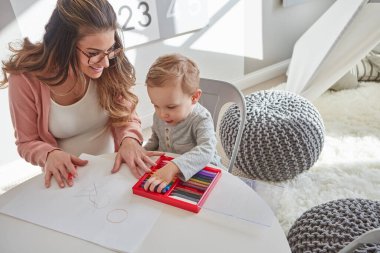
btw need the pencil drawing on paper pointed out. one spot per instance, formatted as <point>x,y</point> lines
<point>97,198</point>
<point>117,215</point>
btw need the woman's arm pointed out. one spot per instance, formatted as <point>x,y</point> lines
<point>130,150</point>
<point>26,106</point>
<point>132,129</point>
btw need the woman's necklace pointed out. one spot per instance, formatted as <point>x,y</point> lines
<point>64,94</point>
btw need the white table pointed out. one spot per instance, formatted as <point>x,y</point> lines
<point>175,230</point>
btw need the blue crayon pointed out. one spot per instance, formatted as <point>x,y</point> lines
<point>155,188</point>
<point>167,188</point>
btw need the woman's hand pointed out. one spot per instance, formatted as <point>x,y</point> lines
<point>61,165</point>
<point>135,156</point>
<point>161,178</point>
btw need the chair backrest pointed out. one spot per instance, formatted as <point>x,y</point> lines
<point>372,236</point>
<point>217,93</point>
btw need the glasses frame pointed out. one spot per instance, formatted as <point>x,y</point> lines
<point>104,54</point>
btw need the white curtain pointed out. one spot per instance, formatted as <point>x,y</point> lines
<point>339,39</point>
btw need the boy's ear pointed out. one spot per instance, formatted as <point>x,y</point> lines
<point>196,96</point>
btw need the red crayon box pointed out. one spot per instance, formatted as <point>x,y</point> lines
<point>189,195</point>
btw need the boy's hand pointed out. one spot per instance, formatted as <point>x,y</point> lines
<point>162,177</point>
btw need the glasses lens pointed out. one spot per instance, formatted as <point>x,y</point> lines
<point>111,55</point>
<point>114,53</point>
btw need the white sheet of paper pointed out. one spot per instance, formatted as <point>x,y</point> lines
<point>99,208</point>
<point>247,207</point>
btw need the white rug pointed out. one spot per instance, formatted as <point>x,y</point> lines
<point>349,165</point>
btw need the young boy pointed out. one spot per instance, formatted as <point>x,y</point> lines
<point>180,124</point>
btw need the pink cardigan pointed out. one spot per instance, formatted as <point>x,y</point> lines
<point>29,102</point>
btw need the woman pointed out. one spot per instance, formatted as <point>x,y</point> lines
<point>70,94</point>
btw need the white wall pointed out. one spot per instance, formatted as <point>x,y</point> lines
<point>9,31</point>
<point>281,28</point>
<point>245,41</point>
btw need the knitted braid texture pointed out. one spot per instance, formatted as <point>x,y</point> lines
<point>283,136</point>
<point>329,227</point>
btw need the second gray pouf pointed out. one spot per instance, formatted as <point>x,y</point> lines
<point>329,227</point>
<point>283,136</point>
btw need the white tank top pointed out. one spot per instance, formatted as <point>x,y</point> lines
<point>83,126</point>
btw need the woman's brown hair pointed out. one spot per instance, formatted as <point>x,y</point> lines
<point>70,21</point>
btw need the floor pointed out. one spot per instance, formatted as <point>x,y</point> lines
<point>260,86</point>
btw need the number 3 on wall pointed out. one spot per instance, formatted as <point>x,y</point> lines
<point>148,20</point>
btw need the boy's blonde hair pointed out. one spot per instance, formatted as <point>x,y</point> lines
<point>174,67</point>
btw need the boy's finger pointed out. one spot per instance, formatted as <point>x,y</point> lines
<point>162,186</point>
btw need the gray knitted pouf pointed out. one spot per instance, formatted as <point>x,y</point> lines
<point>283,136</point>
<point>368,248</point>
<point>331,226</point>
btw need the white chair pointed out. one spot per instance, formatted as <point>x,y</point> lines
<point>372,236</point>
<point>215,94</point>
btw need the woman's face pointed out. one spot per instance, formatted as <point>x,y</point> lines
<point>92,51</point>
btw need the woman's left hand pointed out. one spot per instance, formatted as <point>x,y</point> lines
<point>135,156</point>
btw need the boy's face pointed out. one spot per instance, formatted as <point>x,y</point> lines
<point>170,103</point>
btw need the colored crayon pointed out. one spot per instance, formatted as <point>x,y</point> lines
<point>202,178</point>
<point>195,186</point>
<point>186,193</point>
<point>167,187</point>
<point>207,173</point>
<point>178,194</point>
<point>183,199</point>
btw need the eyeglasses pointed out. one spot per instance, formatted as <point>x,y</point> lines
<point>94,58</point>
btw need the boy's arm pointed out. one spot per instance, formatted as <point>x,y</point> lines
<point>198,157</point>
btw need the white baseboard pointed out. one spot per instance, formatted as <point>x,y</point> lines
<point>262,75</point>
